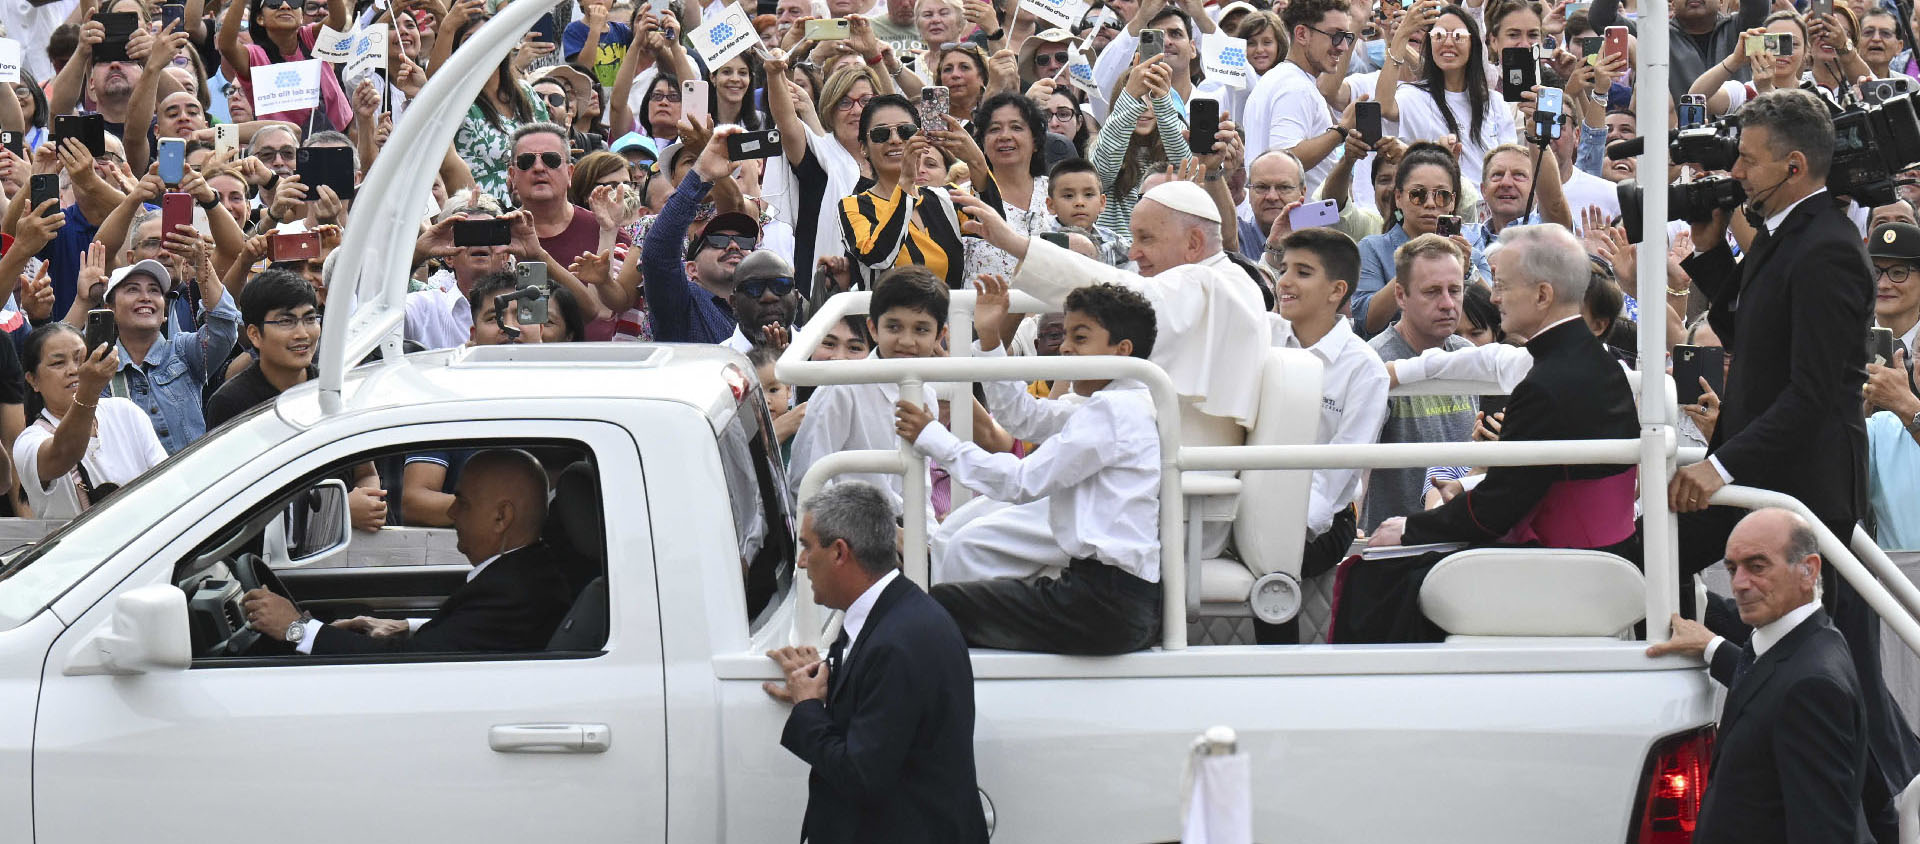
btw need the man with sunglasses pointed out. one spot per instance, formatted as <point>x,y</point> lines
<point>1286,110</point>
<point>763,296</point>
<point>690,301</point>
<point>539,174</point>
<point>1044,55</point>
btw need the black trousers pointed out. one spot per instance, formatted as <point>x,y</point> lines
<point>1323,552</point>
<point>1091,609</point>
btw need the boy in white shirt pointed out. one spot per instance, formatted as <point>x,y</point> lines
<point>1317,272</point>
<point>1099,472</point>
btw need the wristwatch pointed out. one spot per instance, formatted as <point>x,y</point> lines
<point>1913,425</point>
<point>296,631</point>
<point>210,204</point>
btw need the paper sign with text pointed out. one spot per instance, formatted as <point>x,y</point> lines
<point>1224,58</point>
<point>725,37</point>
<point>367,56</point>
<point>1080,69</point>
<point>288,86</point>
<point>1061,13</point>
<point>331,46</point>
<point>9,60</point>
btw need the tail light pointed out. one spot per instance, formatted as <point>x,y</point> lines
<point>1675,779</point>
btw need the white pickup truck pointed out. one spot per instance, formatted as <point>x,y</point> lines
<point>132,705</point>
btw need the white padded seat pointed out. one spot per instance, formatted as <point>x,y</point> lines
<point>1533,592</point>
<point>1224,581</point>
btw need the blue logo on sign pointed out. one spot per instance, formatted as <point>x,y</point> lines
<point>1233,57</point>
<point>366,45</point>
<point>287,79</point>
<point>1081,72</point>
<point>721,32</point>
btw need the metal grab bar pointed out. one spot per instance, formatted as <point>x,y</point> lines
<point>807,627</point>
<point>1883,568</point>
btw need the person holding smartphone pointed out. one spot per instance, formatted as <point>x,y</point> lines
<point>1699,35</point>
<point>81,444</point>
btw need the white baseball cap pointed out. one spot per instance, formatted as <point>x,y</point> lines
<point>147,267</point>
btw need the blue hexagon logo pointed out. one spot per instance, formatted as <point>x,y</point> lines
<point>720,33</point>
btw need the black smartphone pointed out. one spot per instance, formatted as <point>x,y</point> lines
<point>493,231</point>
<point>1492,404</point>
<point>1056,238</point>
<point>1518,72</point>
<point>14,143</point>
<point>1203,118</point>
<point>1880,346</point>
<point>1692,363</point>
<point>330,166</point>
<point>545,29</point>
<point>173,15</point>
<point>1366,118</point>
<point>46,186</point>
<point>91,129</point>
<point>101,329</point>
<point>119,27</point>
<point>742,146</point>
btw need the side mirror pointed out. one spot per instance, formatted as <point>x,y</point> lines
<point>148,633</point>
<point>315,527</point>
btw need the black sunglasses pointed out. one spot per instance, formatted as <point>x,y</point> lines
<point>904,131</point>
<point>1058,58</point>
<point>554,99</point>
<point>762,286</point>
<point>744,243</point>
<point>552,159</point>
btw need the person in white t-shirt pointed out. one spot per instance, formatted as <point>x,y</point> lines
<point>76,451</point>
<point>1451,97</point>
<point>1288,110</point>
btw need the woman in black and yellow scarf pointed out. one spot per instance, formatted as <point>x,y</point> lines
<point>892,222</point>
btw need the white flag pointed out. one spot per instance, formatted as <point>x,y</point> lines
<point>1061,13</point>
<point>1224,58</point>
<point>332,46</point>
<point>1080,69</point>
<point>288,86</point>
<point>368,56</point>
<point>726,36</point>
<point>9,60</point>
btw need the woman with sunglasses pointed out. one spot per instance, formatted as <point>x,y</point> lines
<point>1426,187</point>
<point>888,224</point>
<point>278,33</point>
<point>822,156</point>
<point>1451,96</point>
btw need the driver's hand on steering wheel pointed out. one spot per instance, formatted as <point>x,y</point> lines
<point>269,613</point>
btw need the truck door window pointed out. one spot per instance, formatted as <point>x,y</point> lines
<point>762,512</point>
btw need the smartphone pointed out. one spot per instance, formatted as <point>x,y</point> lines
<point>935,102</point>
<point>743,146</point>
<point>1880,346</point>
<point>119,27</point>
<point>1203,118</point>
<point>91,129</point>
<point>176,209</point>
<point>1366,118</point>
<point>101,329</point>
<point>1546,114</point>
<point>1056,238</point>
<point>1591,45</point>
<point>14,143</point>
<point>46,186</point>
<point>1779,43</point>
<point>173,160</point>
<point>226,137</point>
<point>831,29</point>
<point>532,312</point>
<point>492,231</point>
<point>1153,42</point>
<point>545,29</point>
<point>330,166</point>
<point>1819,8</point>
<point>1519,72</point>
<point>1314,215</point>
<point>694,98</point>
<point>1756,44</point>
<point>294,246</point>
<point>1616,42</point>
<point>1692,363</point>
<point>1448,225</point>
<point>1692,111</point>
<point>173,15</point>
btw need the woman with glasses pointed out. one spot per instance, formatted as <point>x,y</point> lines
<point>1066,117</point>
<point>485,138</point>
<point>33,109</point>
<point>1451,97</point>
<point>601,184</point>
<point>81,445</point>
<point>279,32</point>
<point>888,224</point>
<point>1144,133</point>
<point>1426,187</point>
<point>824,158</point>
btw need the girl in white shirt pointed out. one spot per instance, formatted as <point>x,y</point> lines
<point>76,450</point>
<point>1452,96</point>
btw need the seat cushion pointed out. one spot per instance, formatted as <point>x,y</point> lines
<point>1533,592</point>
<point>1224,581</point>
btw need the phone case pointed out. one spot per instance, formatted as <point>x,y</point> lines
<point>14,143</point>
<point>226,136</point>
<point>747,145</point>
<point>1203,120</point>
<point>101,328</point>
<point>1448,225</point>
<point>172,160</point>
<point>1152,43</point>
<point>1880,346</point>
<point>119,27</point>
<point>295,246</point>
<point>935,102</point>
<point>1690,364</point>
<point>1366,118</point>
<point>330,166</point>
<point>489,232</point>
<point>44,187</point>
<point>694,98</point>
<point>1314,214</point>
<point>176,209</point>
<point>1616,41</point>
<point>831,29</point>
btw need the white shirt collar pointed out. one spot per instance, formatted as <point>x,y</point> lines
<point>489,561</point>
<point>857,611</point>
<point>1773,222</point>
<point>1767,635</point>
<point>1554,324</point>
<point>1329,346</point>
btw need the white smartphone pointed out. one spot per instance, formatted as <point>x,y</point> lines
<point>693,98</point>
<point>226,136</point>
<point>1314,214</point>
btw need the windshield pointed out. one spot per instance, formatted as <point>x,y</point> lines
<point>35,578</point>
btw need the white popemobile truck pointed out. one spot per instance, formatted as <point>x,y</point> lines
<point>134,705</point>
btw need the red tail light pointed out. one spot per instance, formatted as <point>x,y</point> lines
<point>1670,789</point>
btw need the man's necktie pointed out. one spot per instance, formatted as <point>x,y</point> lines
<point>1742,666</point>
<point>835,654</point>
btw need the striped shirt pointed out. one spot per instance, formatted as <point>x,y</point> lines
<point>883,232</point>
<point>1110,153</point>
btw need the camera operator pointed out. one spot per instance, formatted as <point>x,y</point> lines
<point>1793,313</point>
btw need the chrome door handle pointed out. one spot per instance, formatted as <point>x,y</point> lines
<point>550,738</point>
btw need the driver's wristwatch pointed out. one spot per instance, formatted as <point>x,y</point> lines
<point>296,631</point>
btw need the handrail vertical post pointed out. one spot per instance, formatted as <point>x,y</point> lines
<point>1659,529</point>
<point>915,501</point>
<point>960,408</point>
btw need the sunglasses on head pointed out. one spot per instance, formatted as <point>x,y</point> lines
<point>525,160</point>
<point>904,131</point>
<point>744,243</point>
<point>762,286</point>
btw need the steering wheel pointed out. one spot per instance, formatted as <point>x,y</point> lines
<point>253,573</point>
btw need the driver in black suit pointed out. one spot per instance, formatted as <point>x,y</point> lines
<point>513,599</point>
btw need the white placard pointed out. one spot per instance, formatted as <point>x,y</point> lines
<point>288,86</point>
<point>368,55</point>
<point>726,36</point>
<point>1080,69</point>
<point>1224,58</point>
<point>1061,13</point>
<point>332,46</point>
<point>9,60</point>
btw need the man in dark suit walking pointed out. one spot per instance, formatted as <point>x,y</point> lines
<point>886,720</point>
<point>1794,315</point>
<point>514,598</point>
<point>1791,754</point>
